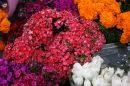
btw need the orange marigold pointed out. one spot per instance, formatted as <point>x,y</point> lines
<point>113,7</point>
<point>124,38</point>
<point>76,1</point>
<point>2,15</point>
<point>2,45</point>
<point>99,7</point>
<point>123,20</point>
<point>5,25</point>
<point>88,11</point>
<point>107,19</point>
<point>104,1</point>
<point>123,23</point>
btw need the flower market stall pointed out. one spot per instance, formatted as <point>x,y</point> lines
<point>58,43</point>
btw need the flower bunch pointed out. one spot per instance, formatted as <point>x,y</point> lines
<point>9,71</point>
<point>90,74</point>
<point>66,5</point>
<point>90,9</point>
<point>31,7</point>
<point>123,21</point>
<point>4,22</point>
<point>56,39</point>
<point>4,27</point>
<point>37,76</point>
<point>32,74</point>
<point>16,30</point>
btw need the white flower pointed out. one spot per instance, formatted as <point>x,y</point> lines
<point>97,61</point>
<point>78,80</point>
<point>77,69</point>
<point>108,73</point>
<point>111,71</point>
<point>89,74</point>
<point>87,65</point>
<point>87,83</point>
<point>96,81</point>
<point>77,72</point>
<point>119,72</point>
<point>125,81</point>
<point>107,77</point>
<point>104,71</point>
<point>116,81</point>
<point>77,66</point>
<point>100,81</point>
<point>96,71</point>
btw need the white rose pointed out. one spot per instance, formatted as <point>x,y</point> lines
<point>107,77</point>
<point>77,69</point>
<point>77,66</point>
<point>104,71</point>
<point>100,81</point>
<point>78,80</point>
<point>104,82</point>
<point>96,71</point>
<point>119,72</point>
<point>116,81</point>
<point>87,65</point>
<point>88,74</point>
<point>125,81</point>
<point>97,61</point>
<point>96,81</point>
<point>108,74</point>
<point>87,83</point>
<point>111,71</point>
<point>77,72</point>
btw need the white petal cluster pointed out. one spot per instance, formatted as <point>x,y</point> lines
<point>91,74</point>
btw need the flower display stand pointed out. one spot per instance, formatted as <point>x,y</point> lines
<point>108,49</point>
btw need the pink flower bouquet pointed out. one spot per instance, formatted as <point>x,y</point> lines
<point>56,39</point>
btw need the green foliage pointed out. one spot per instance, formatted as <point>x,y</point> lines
<point>125,6</point>
<point>112,35</point>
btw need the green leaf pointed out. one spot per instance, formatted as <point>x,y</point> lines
<point>81,57</point>
<point>88,31</point>
<point>34,69</point>
<point>43,56</point>
<point>67,43</point>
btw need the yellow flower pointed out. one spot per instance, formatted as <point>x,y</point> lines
<point>107,19</point>
<point>2,45</point>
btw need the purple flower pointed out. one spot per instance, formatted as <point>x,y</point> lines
<point>9,71</point>
<point>66,5</point>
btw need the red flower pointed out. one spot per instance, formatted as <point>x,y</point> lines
<point>56,39</point>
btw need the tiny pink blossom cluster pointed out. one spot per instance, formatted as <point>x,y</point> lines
<point>56,39</point>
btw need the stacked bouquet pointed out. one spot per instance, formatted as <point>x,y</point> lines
<point>56,40</point>
<point>91,74</point>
